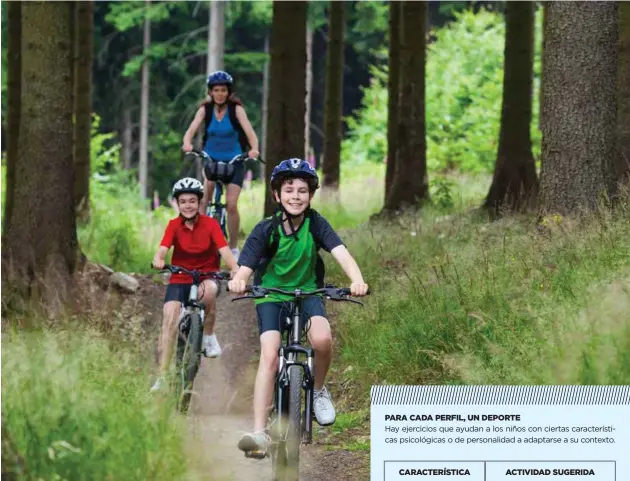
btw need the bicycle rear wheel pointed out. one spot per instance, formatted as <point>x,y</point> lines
<point>188,361</point>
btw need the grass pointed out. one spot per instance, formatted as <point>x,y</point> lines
<point>457,300</point>
<point>76,407</point>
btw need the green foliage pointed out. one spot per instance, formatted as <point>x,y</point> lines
<point>459,301</point>
<point>464,83</point>
<point>77,407</point>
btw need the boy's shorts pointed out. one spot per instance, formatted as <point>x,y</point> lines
<point>180,292</point>
<point>270,313</point>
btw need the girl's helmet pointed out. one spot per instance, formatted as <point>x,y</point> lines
<point>188,185</point>
<point>294,168</point>
<point>220,78</point>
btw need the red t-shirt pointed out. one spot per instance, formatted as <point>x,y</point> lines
<point>195,248</point>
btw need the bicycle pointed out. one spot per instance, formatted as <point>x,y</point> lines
<point>220,173</point>
<point>190,334</point>
<point>289,425</point>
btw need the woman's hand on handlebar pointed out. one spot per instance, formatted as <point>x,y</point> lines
<point>187,146</point>
<point>237,286</point>
<point>359,289</point>
<point>253,154</point>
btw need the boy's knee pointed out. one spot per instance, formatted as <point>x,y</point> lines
<point>320,335</point>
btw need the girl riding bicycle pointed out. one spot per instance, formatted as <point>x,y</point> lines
<point>228,133</point>
<point>195,239</point>
<point>294,264</point>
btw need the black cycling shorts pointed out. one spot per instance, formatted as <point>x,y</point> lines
<point>270,313</point>
<point>180,292</point>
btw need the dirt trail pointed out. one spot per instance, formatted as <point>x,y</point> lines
<point>222,411</point>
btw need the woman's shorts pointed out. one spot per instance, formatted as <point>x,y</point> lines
<point>271,313</point>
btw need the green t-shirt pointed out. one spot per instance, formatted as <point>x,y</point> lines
<point>293,266</point>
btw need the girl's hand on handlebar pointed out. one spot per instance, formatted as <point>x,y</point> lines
<point>358,289</point>
<point>158,263</point>
<point>237,286</point>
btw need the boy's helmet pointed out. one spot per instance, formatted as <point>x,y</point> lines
<point>188,185</point>
<point>220,78</point>
<point>292,169</point>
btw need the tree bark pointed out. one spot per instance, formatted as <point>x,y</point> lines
<point>13,104</point>
<point>334,97</point>
<point>410,183</point>
<point>216,36</point>
<point>287,87</point>
<point>514,185</point>
<point>623,96</point>
<point>41,241</point>
<point>143,164</point>
<point>83,36</point>
<point>579,105</point>
<point>393,87</point>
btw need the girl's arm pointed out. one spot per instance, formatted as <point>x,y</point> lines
<point>192,130</point>
<point>160,255</point>
<point>226,253</point>
<point>358,287</point>
<point>248,129</point>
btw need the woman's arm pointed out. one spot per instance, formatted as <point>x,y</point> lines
<point>192,130</point>
<point>248,129</point>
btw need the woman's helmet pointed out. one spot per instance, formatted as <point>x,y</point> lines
<point>220,78</point>
<point>188,185</point>
<point>294,169</point>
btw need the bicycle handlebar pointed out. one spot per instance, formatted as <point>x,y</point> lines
<point>195,274</point>
<point>244,156</point>
<point>330,292</point>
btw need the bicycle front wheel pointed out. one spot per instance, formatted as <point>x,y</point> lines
<point>294,428</point>
<point>189,363</point>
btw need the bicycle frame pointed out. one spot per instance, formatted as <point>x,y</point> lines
<point>218,209</point>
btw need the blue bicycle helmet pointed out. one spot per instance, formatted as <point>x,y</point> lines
<point>294,168</point>
<point>220,78</point>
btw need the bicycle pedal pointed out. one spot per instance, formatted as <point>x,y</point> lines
<point>256,454</point>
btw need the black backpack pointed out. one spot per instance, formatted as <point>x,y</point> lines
<point>273,241</point>
<point>231,106</point>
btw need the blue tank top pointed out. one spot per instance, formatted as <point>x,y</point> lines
<point>222,143</point>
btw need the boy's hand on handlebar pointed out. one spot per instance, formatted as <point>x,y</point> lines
<point>358,289</point>
<point>237,286</point>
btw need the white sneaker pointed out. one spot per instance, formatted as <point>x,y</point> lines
<point>211,346</point>
<point>158,384</point>
<point>235,253</point>
<point>323,407</point>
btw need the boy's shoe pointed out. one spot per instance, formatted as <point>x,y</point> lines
<point>255,444</point>
<point>159,383</point>
<point>211,346</point>
<point>323,407</point>
<point>235,253</point>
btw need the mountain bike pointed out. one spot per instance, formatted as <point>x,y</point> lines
<point>221,174</point>
<point>190,334</point>
<point>291,418</point>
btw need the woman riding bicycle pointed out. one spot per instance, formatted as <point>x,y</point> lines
<point>228,133</point>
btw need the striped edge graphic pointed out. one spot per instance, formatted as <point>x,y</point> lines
<point>500,395</point>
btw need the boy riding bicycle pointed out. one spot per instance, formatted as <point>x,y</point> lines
<point>292,262</point>
<point>195,239</point>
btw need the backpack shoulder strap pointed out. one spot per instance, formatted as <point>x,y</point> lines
<point>313,214</point>
<point>206,121</point>
<point>242,138</point>
<point>273,238</point>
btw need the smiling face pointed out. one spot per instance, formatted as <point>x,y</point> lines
<point>219,94</point>
<point>295,196</point>
<point>188,205</point>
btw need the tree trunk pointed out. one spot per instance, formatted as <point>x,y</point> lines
<point>42,240</point>
<point>410,183</point>
<point>334,97</point>
<point>83,37</point>
<point>287,87</point>
<point>393,87</point>
<point>514,184</point>
<point>309,93</point>
<point>579,106</point>
<point>127,138</point>
<point>540,90</point>
<point>14,26</point>
<point>623,95</point>
<point>143,164</point>
<point>216,36</point>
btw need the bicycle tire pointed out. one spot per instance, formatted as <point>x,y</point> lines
<point>278,438</point>
<point>189,362</point>
<point>294,428</point>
